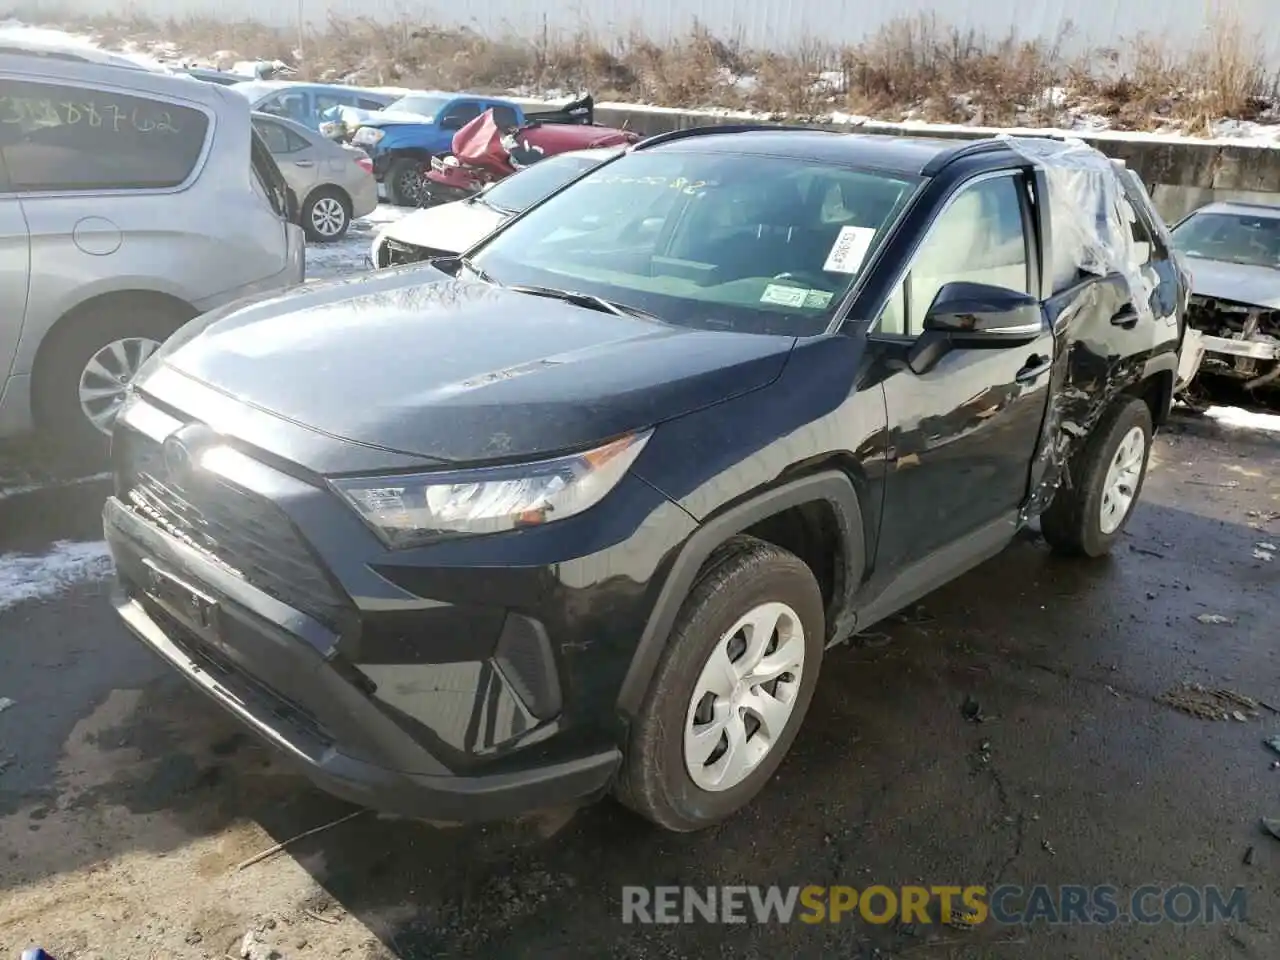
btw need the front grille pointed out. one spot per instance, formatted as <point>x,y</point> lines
<point>241,532</point>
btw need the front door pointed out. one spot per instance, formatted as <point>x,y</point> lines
<point>963,434</point>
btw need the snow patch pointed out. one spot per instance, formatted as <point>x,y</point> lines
<point>1242,419</point>
<point>25,576</point>
<point>13,31</point>
<point>325,261</point>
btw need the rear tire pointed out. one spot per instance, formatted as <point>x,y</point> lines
<point>326,215</point>
<point>1087,518</point>
<point>68,392</point>
<point>681,769</point>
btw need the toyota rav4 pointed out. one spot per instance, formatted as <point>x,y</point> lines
<point>580,510</point>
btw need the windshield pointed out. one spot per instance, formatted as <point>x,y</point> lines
<point>521,191</point>
<point>423,106</point>
<point>1234,237</point>
<point>721,241</point>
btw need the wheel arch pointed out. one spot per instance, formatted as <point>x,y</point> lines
<point>826,490</point>
<point>421,154</point>
<point>85,310</point>
<point>329,187</point>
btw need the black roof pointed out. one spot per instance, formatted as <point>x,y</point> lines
<point>913,156</point>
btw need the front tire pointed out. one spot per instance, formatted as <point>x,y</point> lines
<point>731,690</point>
<point>1087,518</point>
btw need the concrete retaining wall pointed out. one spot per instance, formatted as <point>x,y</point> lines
<point>1181,173</point>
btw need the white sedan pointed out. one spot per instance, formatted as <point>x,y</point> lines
<point>454,227</point>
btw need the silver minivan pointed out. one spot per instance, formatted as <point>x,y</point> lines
<point>131,200</point>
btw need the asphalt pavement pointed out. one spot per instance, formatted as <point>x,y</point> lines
<point>1027,724</point>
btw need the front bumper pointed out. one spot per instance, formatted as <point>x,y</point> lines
<point>444,701</point>
<point>1196,346</point>
<point>248,662</point>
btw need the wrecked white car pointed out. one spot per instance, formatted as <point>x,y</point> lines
<point>1233,252</point>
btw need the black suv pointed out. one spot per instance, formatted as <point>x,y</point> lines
<point>580,510</point>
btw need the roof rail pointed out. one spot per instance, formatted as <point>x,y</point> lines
<point>715,128</point>
<point>36,51</point>
<point>969,148</point>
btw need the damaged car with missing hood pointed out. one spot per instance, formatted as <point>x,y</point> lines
<point>1232,250</point>
<point>581,510</point>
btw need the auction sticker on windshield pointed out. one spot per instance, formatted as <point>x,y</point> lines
<point>849,250</point>
<point>785,296</point>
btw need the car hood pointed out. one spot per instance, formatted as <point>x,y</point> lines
<point>449,228</point>
<point>1238,282</point>
<point>417,363</point>
<point>388,118</point>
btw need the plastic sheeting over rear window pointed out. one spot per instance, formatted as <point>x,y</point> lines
<point>1092,217</point>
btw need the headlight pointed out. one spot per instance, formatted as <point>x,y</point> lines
<point>407,511</point>
<point>368,135</point>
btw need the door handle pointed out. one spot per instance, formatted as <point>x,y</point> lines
<point>1036,364</point>
<point>1127,318</point>
<point>304,163</point>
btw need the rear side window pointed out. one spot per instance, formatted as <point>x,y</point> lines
<point>278,138</point>
<point>364,104</point>
<point>57,137</point>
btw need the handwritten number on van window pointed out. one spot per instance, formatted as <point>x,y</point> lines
<point>33,112</point>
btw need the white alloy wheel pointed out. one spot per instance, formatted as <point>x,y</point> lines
<point>744,697</point>
<point>328,217</point>
<point>105,379</point>
<point>1121,484</point>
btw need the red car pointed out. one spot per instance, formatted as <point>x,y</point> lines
<point>483,152</point>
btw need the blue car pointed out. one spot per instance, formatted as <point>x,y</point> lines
<point>420,125</point>
<point>309,104</point>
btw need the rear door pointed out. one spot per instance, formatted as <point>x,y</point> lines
<point>15,272</point>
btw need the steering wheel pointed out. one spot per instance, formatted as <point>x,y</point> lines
<point>808,279</point>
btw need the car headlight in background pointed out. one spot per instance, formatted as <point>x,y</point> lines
<point>368,135</point>
<point>407,511</point>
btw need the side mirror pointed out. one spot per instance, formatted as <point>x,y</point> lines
<point>975,315</point>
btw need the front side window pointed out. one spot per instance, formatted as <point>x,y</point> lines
<point>1234,237</point>
<point>504,117</point>
<point>328,101</point>
<point>711,240</point>
<point>979,238</point>
<point>291,106</point>
<point>460,114</point>
<point>57,137</point>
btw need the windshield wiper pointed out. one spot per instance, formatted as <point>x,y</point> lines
<point>588,300</point>
<point>466,262</point>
